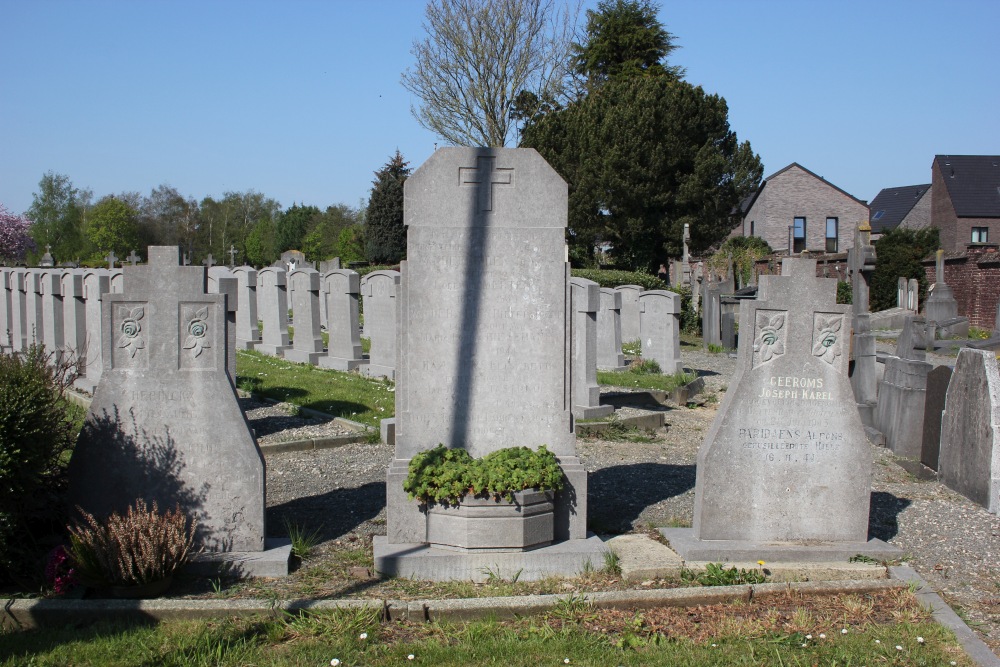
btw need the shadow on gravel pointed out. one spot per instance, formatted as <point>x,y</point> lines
<point>883,518</point>
<point>617,495</point>
<point>334,514</point>
<point>703,373</point>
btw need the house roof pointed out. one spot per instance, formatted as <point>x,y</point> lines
<point>749,200</point>
<point>891,205</point>
<point>973,182</point>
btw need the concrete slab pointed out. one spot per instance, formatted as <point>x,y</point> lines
<point>420,561</point>
<point>640,557</point>
<point>683,541</point>
<point>273,561</point>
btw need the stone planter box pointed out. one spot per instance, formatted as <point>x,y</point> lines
<point>483,524</point>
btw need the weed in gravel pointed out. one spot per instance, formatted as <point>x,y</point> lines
<point>303,542</point>
<point>611,564</point>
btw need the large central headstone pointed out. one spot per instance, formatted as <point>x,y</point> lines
<point>483,345</point>
<point>785,470</point>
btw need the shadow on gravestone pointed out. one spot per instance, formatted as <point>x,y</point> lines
<point>617,495</point>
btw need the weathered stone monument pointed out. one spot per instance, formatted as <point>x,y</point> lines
<point>937,389</point>
<point>585,301</point>
<point>630,312</point>
<point>74,315</point>
<point>33,306</point>
<point>784,473</point>
<point>902,392</point>
<point>18,310</point>
<point>942,308</point>
<point>484,355</point>
<point>222,281</point>
<point>380,290</point>
<point>5,310</point>
<point>913,295</point>
<point>307,343</point>
<point>609,331</point>
<point>969,461</point>
<point>96,283</point>
<point>165,424</point>
<point>272,305</point>
<point>863,366</point>
<point>660,328</point>
<point>51,322</point>
<point>247,331</point>
<point>341,288</point>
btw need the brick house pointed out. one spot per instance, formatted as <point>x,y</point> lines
<point>965,200</point>
<point>906,207</point>
<point>795,210</point>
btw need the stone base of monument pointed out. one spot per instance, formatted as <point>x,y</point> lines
<point>892,318</point>
<point>690,548</point>
<point>953,327</point>
<point>247,344</point>
<point>273,561</point>
<point>375,371</point>
<point>273,350</point>
<point>596,412</point>
<point>422,561</point>
<point>303,357</point>
<point>613,369</point>
<point>481,524</point>
<point>340,364</point>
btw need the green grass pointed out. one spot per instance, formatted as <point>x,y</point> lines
<point>644,381</point>
<point>571,633</point>
<point>348,395</point>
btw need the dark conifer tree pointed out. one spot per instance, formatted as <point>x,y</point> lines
<point>385,236</point>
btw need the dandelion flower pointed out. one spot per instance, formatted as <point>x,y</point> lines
<point>334,662</point>
<point>761,563</point>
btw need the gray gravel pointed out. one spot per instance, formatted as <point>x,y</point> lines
<point>949,540</point>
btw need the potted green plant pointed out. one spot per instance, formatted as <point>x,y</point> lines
<point>503,501</point>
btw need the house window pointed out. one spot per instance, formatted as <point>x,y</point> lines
<point>980,234</point>
<point>799,235</point>
<point>751,228</point>
<point>831,234</point>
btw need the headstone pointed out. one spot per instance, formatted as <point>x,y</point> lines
<point>222,281</point>
<point>328,265</point>
<point>51,323</point>
<point>380,290</point>
<point>247,331</point>
<point>901,284</point>
<point>209,261</point>
<point>232,256</point>
<point>864,368</point>
<point>47,261</point>
<point>293,259</point>
<point>307,343</point>
<point>5,311</point>
<point>913,295</point>
<point>74,316</point>
<point>902,396</point>
<point>272,302</point>
<point>785,470</point>
<point>484,356</point>
<point>660,322</point>
<point>96,283</point>
<point>609,331</point>
<point>134,259</point>
<point>117,281</point>
<point>941,305</point>
<point>969,461</point>
<point>165,424</point>
<point>711,315</point>
<point>33,306</point>
<point>861,266</point>
<point>912,342</point>
<point>17,282</point>
<point>341,288</point>
<point>111,259</point>
<point>630,312</point>
<point>937,389</point>
<point>729,312</point>
<point>585,302</point>
<point>686,257</point>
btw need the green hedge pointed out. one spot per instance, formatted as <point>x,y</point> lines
<point>614,278</point>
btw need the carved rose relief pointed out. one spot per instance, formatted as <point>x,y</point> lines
<point>197,332</point>
<point>770,340</point>
<point>827,344</point>
<point>131,337</point>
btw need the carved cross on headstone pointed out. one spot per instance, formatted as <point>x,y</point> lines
<point>133,258</point>
<point>209,261</point>
<point>485,175</point>
<point>48,249</point>
<point>232,256</point>
<point>111,259</point>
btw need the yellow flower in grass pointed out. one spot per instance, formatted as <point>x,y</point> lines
<point>761,563</point>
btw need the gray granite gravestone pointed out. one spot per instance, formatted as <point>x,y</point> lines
<point>902,391</point>
<point>585,302</point>
<point>913,295</point>
<point>660,328</point>
<point>609,331</point>
<point>74,315</point>
<point>969,461</point>
<point>247,331</point>
<point>117,280</point>
<point>33,306</point>
<point>5,310</point>
<point>864,368</point>
<point>937,389</point>
<point>941,304</point>
<point>484,355</point>
<point>341,288</point>
<point>630,312</point>
<point>18,310</point>
<point>901,292</point>
<point>912,342</point>
<point>380,290</point>
<point>164,423</point>
<point>272,304</point>
<point>307,344</point>
<point>785,470</point>
<point>96,283</point>
<point>222,281</point>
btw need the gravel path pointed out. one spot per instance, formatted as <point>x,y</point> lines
<point>949,540</point>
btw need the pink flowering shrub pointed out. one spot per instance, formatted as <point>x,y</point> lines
<point>14,239</point>
<point>59,571</point>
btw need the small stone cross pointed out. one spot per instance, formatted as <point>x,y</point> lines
<point>486,175</point>
<point>939,267</point>
<point>232,256</point>
<point>111,259</point>
<point>48,249</point>
<point>209,261</point>
<point>133,258</point>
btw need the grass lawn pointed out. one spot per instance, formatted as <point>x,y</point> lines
<point>348,395</point>
<point>887,628</point>
<point>644,380</point>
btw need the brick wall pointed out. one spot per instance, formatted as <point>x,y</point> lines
<point>797,193</point>
<point>974,277</point>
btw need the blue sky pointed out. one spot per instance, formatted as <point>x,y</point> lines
<point>301,100</point>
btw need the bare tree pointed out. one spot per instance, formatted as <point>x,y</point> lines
<point>478,55</point>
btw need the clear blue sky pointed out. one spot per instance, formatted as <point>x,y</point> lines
<point>302,101</point>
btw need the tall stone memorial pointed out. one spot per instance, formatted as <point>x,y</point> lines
<point>484,354</point>
<point>307,344</point>
<point>247,332</point>
<point>5,310</point>
<point>18,310</point>
<point>585,302</point>
<point>630,312</point>
<point>380,290</point>
<point>609,331</point>
<point>341,288</point>
<point>785,470</point>
<point>165,424</point>
<point>660,326</point>
<point>272,306</point>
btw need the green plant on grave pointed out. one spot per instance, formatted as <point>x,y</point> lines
<point>645,367</point>
<point>303,541</point>
<point>975,333</point>
<point>141,547</point>
<point>632,348</point>
<point>716,574</point>
<point>442,475</point>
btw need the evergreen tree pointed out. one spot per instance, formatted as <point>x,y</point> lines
<point>294,224</point>
<point>900,252</point>
<point>385,236</point>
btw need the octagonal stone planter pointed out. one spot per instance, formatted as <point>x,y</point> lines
<point>481,524</point>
